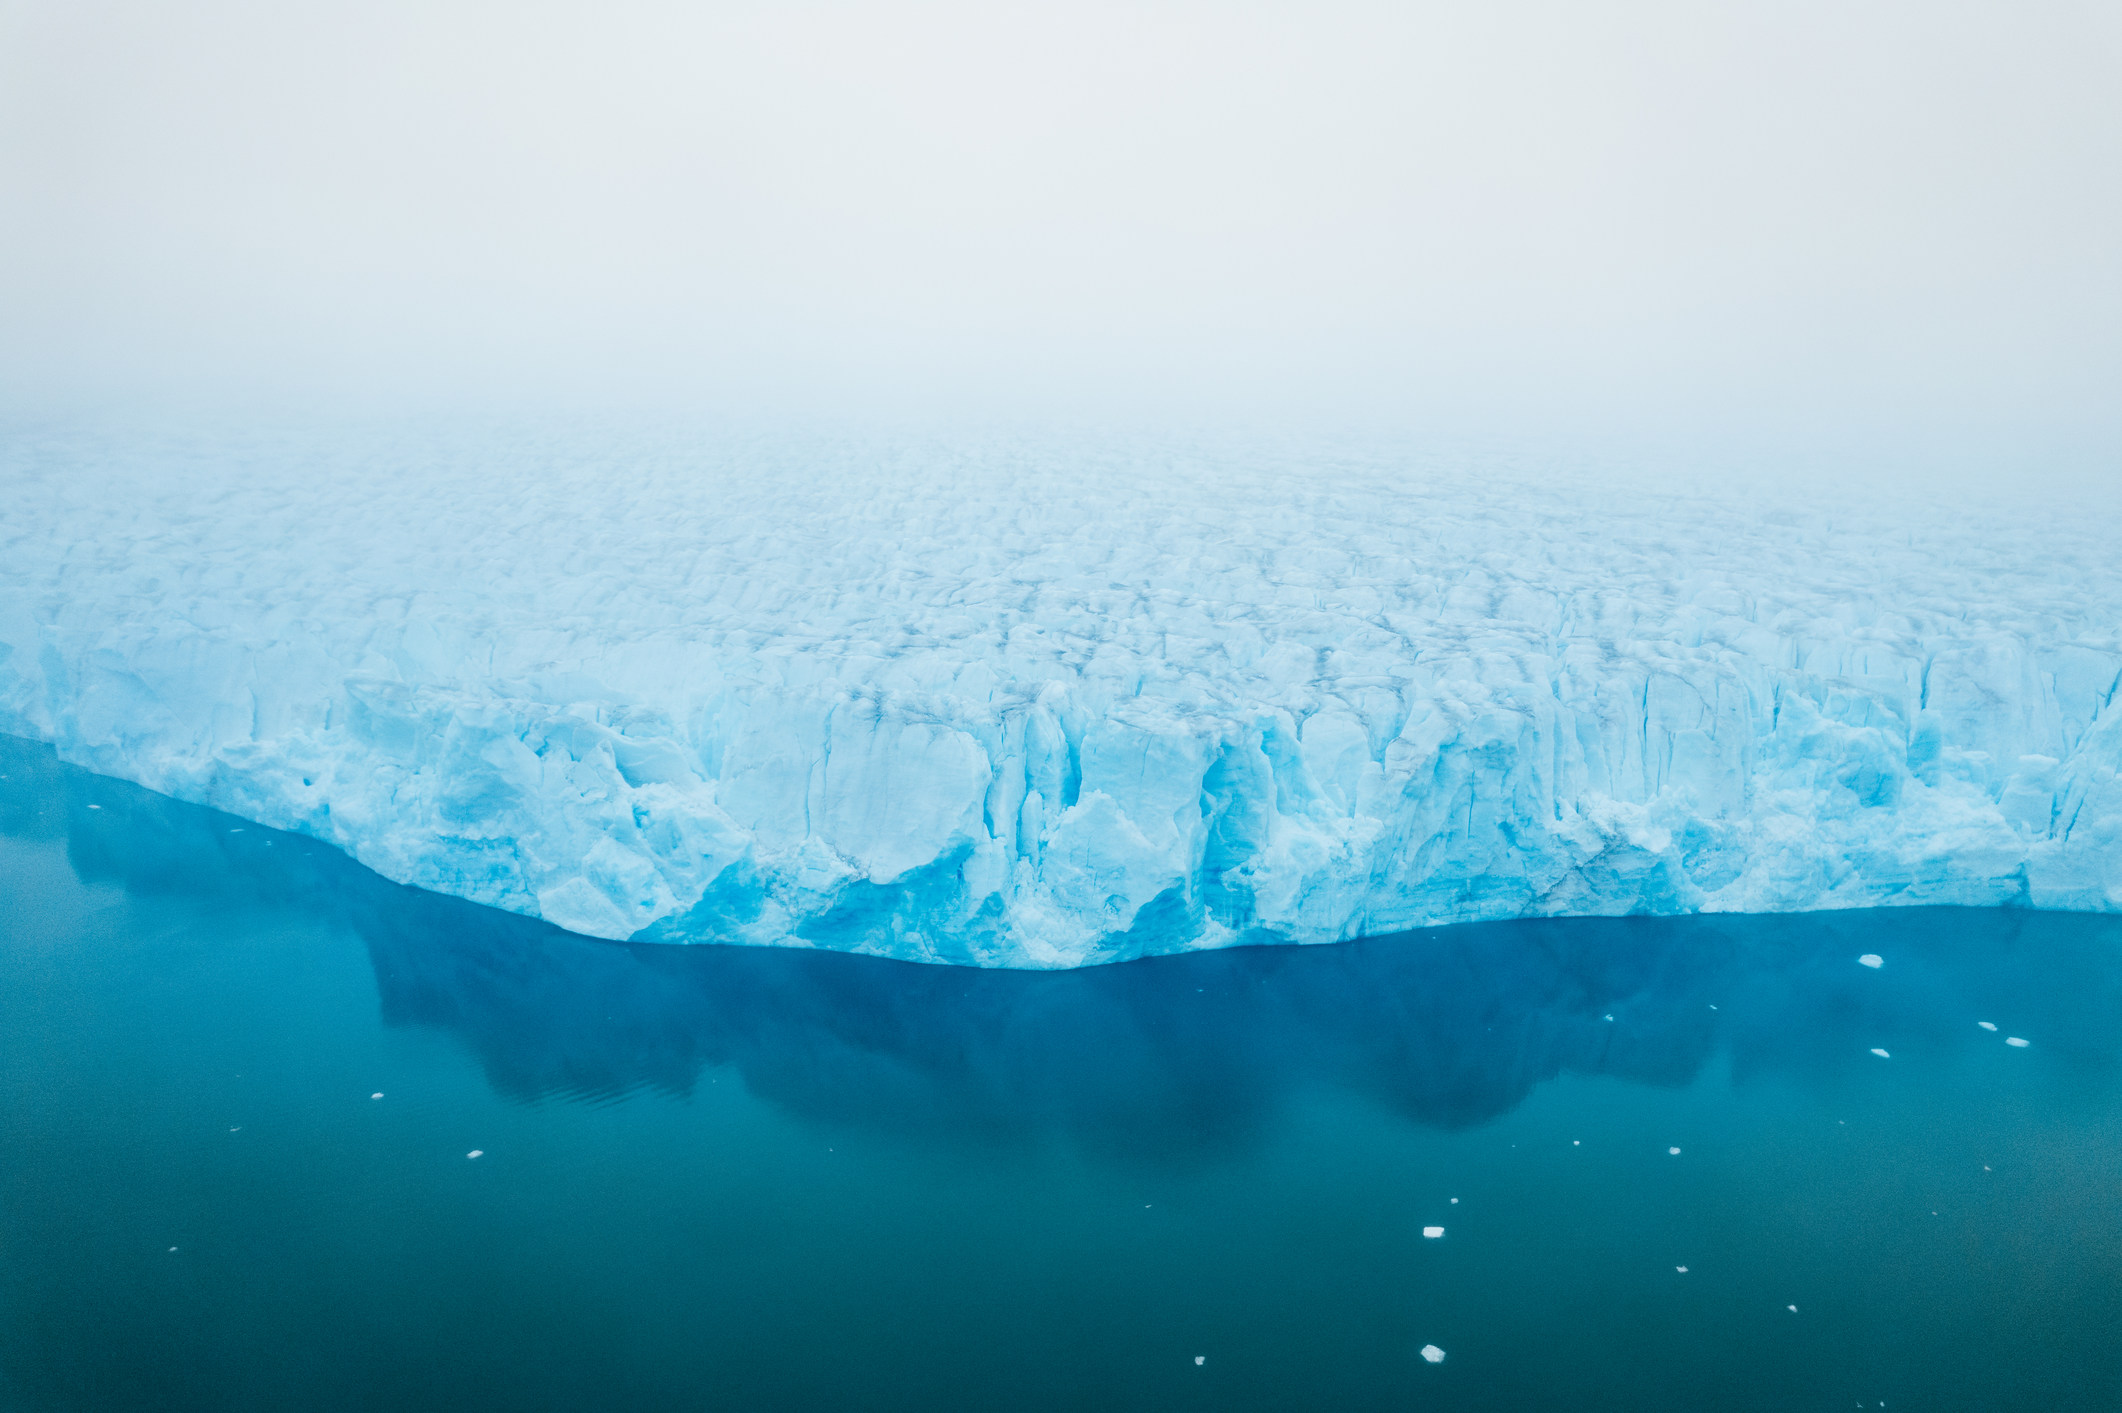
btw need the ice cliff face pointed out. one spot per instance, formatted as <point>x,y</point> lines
<point>1028,705</point>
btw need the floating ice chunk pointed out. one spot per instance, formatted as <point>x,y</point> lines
<point>95,807</point>
<point>1871,959</point>
<point>1576,1143</point>
<point>1674,1151</point>
<point>1455,1202</point>
<point>1433,1232</point>
<point>2016,1043</point>
<point>237,1129</point>
<point>1681,1269</point>
<point>377,1095</point>
<point>1609,1015</point>
<point>476,1153</point>
<point>173,1248</point>
<point>1792,1308</point>
<point>1987,1025</point>
<point>1429,1351</point>
<point>1199,1360</point>
<point>1880,1053</point>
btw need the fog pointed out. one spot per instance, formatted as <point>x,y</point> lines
<point>1887,228</point>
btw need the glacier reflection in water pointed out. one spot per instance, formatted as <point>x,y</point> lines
<point>1041,1189</point>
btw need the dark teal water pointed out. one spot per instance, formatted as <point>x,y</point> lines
<point>731,1179</point>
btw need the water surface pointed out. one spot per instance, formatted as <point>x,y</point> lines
<point>767,1179</point>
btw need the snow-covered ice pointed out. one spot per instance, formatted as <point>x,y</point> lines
<point>1047,704</point>
<point>1872,960</point>
<point>1429,1351</point>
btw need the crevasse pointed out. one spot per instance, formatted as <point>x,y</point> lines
<point>1041,704</point>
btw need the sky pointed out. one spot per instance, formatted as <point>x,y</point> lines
<point>1889,227</point>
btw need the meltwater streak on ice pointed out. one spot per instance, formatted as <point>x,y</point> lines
<point>1042,705</point>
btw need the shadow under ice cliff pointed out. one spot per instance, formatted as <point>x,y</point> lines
<point>1165,1057</point>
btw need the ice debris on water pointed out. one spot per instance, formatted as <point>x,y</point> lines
<point>1674,1151</point>
<point>1433,1354</point>
<point>1455,1202</point>
<point>881,698</point>
<point>2016,1043</point>
<point>1199,1360</point>
<point>1871,959</point>
<point>476,1153</point>
<point>1681,1269</point>
<point>1880,1053</point>
<point>1792,1308</point>
<point>1987,1025</point>
<point>377,1095</point>
<point>1433,1232</point>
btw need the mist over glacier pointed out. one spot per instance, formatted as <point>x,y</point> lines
<point>1878,238</point>
<point>1035,488</point>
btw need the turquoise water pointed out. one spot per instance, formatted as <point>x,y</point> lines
<point>716,1178</point>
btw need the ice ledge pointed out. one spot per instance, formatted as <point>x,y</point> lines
<point>1069,830</point>
<point>1221,715</point>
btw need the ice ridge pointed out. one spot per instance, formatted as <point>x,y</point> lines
<point>1037,704</point>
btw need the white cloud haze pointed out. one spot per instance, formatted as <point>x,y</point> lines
<point>1887,224</point>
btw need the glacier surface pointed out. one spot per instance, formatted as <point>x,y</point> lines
<point>1041,703</point>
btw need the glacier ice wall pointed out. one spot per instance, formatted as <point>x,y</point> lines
<point>1034,704</point>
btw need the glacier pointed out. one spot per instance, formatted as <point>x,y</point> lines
<point>1045,702</point>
